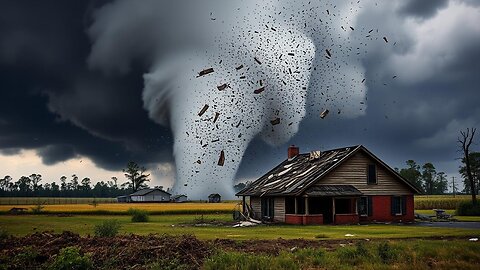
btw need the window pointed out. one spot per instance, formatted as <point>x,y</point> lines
<point>365,206</point>
<point>399,205</point>
<point>372,174</point>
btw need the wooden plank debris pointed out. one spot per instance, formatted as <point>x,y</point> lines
<point>259,90</point>
<point>324,114</point>
<point>205,72</point>
<point>204,109</point>
<point>223,87</point>
<point>221,159</point>
<point>275,121</point>
<point>239,67</point>
<point>216,117</point>
<point>258,61</point>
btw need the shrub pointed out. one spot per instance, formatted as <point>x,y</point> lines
<point>26,258</point>
<point>70,258</point>
<point>386,253</point>
<point>107,228</point>
<point>138,215</point>
<point>38,208</point>
<point>468,209</point>
<point>354,256</point>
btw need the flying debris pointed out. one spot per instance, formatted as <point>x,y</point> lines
<point>204,109</point>
<point>258,61</point>
<point>386,40</point>
<point>324,114</point>
<point>259,90</point>
<point>199,161</point>
<point>216,117</point>
<point>221,159</point>
<point>205,72</point>
<point>275,121</point>
<point>223,86</point>
<point>328,53</point>
<point>239,67</point>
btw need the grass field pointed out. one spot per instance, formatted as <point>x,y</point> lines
<point>171,224</point>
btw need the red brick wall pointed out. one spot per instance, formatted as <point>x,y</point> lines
<point>381,210</point>
<point>313,219</point>
<point>346,219</point>
<point>294,219</point>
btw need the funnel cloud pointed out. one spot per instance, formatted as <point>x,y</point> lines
<point>222,74</point>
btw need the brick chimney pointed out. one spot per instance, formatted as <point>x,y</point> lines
<point>293,151</point>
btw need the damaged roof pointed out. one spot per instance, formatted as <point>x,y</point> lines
<point>294,176</point>
<point>333,190</point>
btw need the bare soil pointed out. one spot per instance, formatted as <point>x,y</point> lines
<point>137,252</point>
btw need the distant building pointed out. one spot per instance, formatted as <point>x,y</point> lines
<point>124,198</point>
<point>214,198</point>
<point>179,198</point>
<point>150,195</point>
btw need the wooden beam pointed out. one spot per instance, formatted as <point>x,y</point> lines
<point>333,210</point>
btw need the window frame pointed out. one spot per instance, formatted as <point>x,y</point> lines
<point>368,174</point>
<point>397,201</point>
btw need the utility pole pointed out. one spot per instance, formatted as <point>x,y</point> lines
<point>453,185</point>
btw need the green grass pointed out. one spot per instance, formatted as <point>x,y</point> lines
<point>450,212</point>
<point>394,255</point>
<point>26,224</point>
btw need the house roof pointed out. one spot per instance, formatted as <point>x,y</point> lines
<point>145,191</point>
<point>294,176</point>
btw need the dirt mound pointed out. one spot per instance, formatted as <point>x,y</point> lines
<point>118,252</point>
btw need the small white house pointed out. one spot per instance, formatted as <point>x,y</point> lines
<point>150,195</point>
<point>179,198</point>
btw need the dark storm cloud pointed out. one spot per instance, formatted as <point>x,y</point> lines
<point>422,8</point>
<point>50,100</point>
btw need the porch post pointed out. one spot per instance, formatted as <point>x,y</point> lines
<point>243,205</point>
<point>356,205</point>
<point>296,206</point>
<point>307,212</point>
<point>333,204</point>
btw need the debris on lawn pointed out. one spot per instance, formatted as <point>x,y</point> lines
<point>473,239</point>
<point>349,235</point>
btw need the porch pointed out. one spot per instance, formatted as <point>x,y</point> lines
<point>326,204</point>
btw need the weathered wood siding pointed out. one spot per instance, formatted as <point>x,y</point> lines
<point>279,209</point>
<point>255,203</point>
<point>354,172</point>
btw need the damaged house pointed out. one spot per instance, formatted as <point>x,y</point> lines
<point>341,186</point>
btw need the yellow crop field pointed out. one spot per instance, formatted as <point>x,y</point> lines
<point>439,201</point>
<point>123,207</point>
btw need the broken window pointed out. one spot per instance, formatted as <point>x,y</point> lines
<point>267,205</point>
<point>365,206</point>
<point>372,174</point>
<point>399,206</point>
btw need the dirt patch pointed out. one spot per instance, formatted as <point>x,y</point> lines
<point>137,252</point>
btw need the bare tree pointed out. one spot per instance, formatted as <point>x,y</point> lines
<point>465,140</point>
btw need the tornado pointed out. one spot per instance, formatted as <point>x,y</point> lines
<point>221,74</point>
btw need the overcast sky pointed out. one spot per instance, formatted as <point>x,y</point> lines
<point>61,115</point>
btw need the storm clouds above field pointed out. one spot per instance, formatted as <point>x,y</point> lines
<point>64,98</point>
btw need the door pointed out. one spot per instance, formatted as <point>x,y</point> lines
<point>267,208</point>
<point>327,209</point>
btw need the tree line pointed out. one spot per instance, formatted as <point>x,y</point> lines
<point>32,186</point>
